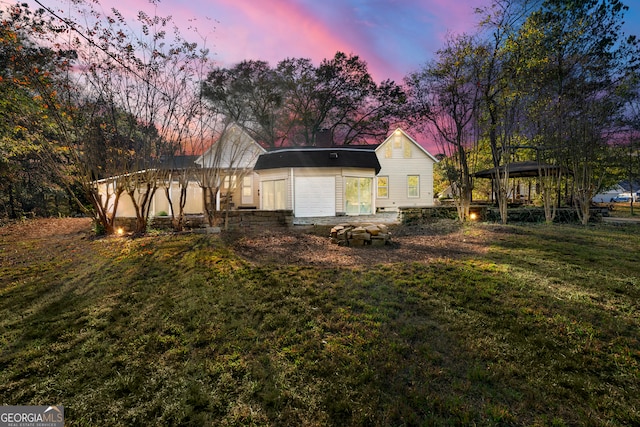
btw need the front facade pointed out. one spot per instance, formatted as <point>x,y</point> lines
<point>317,182</point>
<point>347,180</point>
<point>311,182</point>
<point>235,153</point>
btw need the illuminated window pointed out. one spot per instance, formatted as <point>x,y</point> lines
<point>229,182</point>
<point>413,186</point>
<point>383,187</point>
<point>247,186</point>
<point>397,140</point>
<point>407,149</point>
<point>388,152</point>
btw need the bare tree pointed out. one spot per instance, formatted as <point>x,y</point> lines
<point>225,163</point>
<point>445,93</point>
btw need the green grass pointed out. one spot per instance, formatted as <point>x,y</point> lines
<point>180,330</point>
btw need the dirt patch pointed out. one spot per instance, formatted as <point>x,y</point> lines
<point>442,240</point>
<point>408,244</point>
<point>43,239</point>
<point>46,227</point>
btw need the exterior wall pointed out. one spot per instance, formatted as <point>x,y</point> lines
<point>398,167</point>
<point>272,175</point>
<point>161,204</point>
<point>339,174</point>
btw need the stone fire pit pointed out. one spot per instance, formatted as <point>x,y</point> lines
<point>360,235</point>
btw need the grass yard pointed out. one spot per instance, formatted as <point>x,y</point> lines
<point>525,325</point>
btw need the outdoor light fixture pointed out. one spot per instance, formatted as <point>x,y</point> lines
<point>119,231</point>
<point>473,216</point>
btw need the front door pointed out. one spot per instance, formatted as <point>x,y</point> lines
<point>247,190</point>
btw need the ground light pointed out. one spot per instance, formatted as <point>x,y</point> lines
<point>473,216</point>
<point>120,231</point>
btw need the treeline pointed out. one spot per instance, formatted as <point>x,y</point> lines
<point>554,81</point>
<point>97,96</point>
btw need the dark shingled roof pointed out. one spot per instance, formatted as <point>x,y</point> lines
<point>522,169</point>
<point>319,158</point>
<point>178,162</point>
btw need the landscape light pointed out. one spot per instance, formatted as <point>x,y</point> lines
<point>473,216</point>
<point>119,231</point>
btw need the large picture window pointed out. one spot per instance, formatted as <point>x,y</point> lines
<point>274,195</point>
<point>358,195</point>
<point>413,186</point>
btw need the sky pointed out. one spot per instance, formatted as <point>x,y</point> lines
<point>394,37</point>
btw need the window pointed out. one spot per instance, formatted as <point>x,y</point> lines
<point>407,149</point>
<point>397,141</point>
<point>229,182</point>
<point>247,190</point>
<point>383,187</point>
<point>388,151</point>
<point>413,186</point>
<point>247,182</point>
<point>274,195</point>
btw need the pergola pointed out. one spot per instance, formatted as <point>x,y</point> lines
<point>528,169</point>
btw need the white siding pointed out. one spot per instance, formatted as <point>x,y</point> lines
<point>398,167</point>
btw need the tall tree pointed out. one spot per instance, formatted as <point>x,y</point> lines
<point>584,58</point>
<point>445,93</point>
<point>30,153</point>
<point>298,103</point>
<point>149,72</point>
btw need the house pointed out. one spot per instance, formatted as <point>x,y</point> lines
<point>232,156</point>
<point>406,175</point>
<point>316,182</point>
<point>347,180</point>
<point>310,181</point>
<point>235,154</point>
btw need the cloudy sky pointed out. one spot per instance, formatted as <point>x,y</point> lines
<point>394,37</point>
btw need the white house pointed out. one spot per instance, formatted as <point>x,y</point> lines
<point>310,181</point>
<point>347,180</point>
<point>233,155</point>
<point>316,182</point>
<point>406,175</point>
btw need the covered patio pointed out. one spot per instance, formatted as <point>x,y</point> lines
<point>521,170</point>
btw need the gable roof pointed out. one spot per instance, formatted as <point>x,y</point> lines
<point>319,158</point>
<point>420,147</point>
<point>238,148</point>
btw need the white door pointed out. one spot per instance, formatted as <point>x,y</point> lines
<point>315,196</point>
<point>247,190</point>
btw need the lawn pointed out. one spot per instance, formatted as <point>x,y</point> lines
<point>538,325</point>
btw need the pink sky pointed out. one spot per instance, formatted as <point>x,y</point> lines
<point>394,37</point>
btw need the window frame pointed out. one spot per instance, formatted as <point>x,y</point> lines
<point>410,187</point>
<point>386,187</point>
